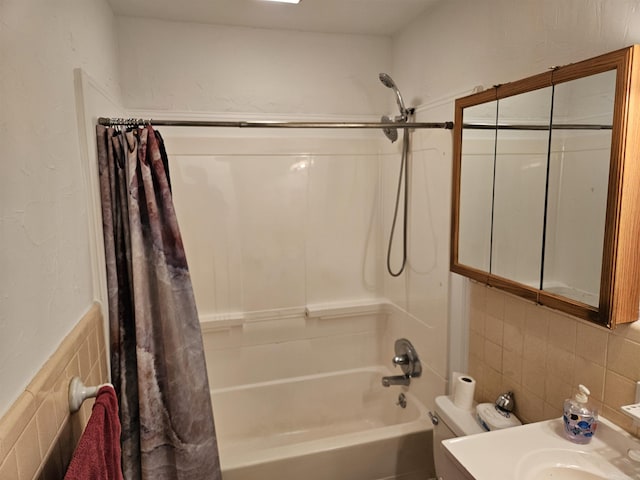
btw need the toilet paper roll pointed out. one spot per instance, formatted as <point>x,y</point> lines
<point>464,388</point>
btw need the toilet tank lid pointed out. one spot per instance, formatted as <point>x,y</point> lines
<point>460,421</point>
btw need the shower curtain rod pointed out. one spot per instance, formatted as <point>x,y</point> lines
<point>267,124</point>
<point>128,122</point>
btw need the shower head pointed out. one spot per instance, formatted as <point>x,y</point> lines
<point>388,82</point>
<point>390,132</point>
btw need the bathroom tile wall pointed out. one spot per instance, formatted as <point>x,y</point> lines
<point>542,355</point>
<point>38,434</point>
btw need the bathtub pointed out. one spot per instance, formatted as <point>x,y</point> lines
<point>337,425</point>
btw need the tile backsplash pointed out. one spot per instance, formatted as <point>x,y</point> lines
<point>38,434</point>
<point>542,355</point>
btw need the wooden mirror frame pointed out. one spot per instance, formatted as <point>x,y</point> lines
<point>619,296</point>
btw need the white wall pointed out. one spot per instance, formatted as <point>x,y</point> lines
<point>189,67</point>
<point>459,44</point>
<point>46,283</point>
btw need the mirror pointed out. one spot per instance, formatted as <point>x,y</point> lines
<point>539,206</point>
<point>578,180</point>
<point>520,176</point>
<point>476,192</point>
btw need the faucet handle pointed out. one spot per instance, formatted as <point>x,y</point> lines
<point>401,360</point>
<point>505,402</point>
<point>407,358</point>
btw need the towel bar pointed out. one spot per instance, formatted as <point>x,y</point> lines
<point>79,392</point>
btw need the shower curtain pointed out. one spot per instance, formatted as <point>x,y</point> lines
<point>157,359</point>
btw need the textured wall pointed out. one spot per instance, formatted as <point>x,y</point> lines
<point>45,283</point>
<point>213,68</point>
<point>459,44</point>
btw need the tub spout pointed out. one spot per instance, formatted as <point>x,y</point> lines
<point>396,380</point>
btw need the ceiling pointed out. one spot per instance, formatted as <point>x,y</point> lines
<point>368,17</point>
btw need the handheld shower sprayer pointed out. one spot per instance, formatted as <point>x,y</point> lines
<point>388,82</point>
<point>403,179</point>
<point>391,132</point>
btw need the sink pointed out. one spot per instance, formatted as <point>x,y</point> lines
<point>540,451</point>
<point>564,464</point>
<point>566,473</point>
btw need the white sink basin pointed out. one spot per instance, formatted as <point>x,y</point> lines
<point>563,464</point>
<point>566,473</point>
<point>540,451</point>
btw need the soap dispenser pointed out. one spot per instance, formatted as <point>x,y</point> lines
<point>580,418</point>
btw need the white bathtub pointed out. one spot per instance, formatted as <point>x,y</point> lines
<point>338,425</point>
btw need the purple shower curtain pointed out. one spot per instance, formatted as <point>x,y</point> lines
<point>157,358</point>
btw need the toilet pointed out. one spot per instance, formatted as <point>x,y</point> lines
<point>450,421</point>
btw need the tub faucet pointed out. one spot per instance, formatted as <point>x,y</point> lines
<point>396,380</point>
<point>408,360</point>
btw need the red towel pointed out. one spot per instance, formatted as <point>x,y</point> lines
<point>97,456</point>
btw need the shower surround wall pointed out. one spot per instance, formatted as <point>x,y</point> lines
<point>275,224</point>
<point>301,222</point>
<point>279,240</point>
<point>286,236</point>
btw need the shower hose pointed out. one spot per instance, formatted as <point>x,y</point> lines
<point>403,178</point>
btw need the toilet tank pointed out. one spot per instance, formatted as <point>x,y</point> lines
<point>460,421</point>
<point>452,422</point>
